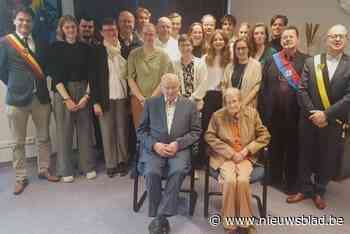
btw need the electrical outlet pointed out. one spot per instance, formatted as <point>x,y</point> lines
<point>30,140</point>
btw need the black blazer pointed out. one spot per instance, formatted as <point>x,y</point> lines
<point>270,83</point>
<point>338,90</point>
<point>100,80</point>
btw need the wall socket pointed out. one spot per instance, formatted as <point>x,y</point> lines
<point>9,144</point>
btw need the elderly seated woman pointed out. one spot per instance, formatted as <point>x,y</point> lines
<point>235,134</point>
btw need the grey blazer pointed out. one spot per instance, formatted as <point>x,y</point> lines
<point>338,89</point>
<point>186,127</point>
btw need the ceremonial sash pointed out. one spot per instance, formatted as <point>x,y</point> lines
<point>321,86</point>
<point>287,70</point>
<point>322,82</point>
<point>16,43</point>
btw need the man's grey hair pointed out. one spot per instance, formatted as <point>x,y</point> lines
<point>163,19</point>
<point>125,13</point>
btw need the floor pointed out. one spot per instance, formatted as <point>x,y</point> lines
<point>104,206</point>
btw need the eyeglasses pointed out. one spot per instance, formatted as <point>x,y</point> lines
<point>336,36</point>
<point>110,30</point>
<point>241,48</point>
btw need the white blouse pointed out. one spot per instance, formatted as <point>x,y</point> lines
<point>117,85</point>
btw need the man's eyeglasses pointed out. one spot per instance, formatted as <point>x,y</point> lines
<point>337,36</point>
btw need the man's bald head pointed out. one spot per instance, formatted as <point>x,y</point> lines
<point>163,20</point>
<point>170,78</point>
<point>338,28</point>
<point>337,37</point>
<point>170,86</point>
<point>164,28</point>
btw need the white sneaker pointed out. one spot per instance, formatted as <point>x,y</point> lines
<point>91,175</point>
<point>67,179</point>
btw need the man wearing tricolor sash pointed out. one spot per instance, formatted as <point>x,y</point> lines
<point>22,73</point>
<point>324,98</point>
<point>279,109</point>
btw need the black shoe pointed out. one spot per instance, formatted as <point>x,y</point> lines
<point>159,225</point>
<point>122,169</point>
<point>155,226</point>
<point>165,225</point>
<point>111,172</point>
<point>243,230</point>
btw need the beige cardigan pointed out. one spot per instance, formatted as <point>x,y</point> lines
<point>253,135</point>
<point>179,73</point>
<point>250,82</point>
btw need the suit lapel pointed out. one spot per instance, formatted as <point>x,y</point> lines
<point>178,111</point>
<point>340,69</point>
<point>163,112</point>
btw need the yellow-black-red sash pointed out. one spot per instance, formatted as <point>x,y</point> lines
<point>322,89</point>
<point>25,54</point>
<point>321,82</point>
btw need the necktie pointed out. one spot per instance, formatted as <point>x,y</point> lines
<point>26,45</point>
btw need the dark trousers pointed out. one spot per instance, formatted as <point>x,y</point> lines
<point>176,168</point>
<point>283,153</point>
<point>212,103</point>
<point>320,151</point>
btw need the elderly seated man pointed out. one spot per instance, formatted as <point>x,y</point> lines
<point>235,134</point>
<point>169,126</point>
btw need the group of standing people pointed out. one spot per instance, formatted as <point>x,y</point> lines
<point>303,101</point>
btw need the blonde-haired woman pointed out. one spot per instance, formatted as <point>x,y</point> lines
<point>243,73</point>
<point>212,74</point>
<point>70,70</point>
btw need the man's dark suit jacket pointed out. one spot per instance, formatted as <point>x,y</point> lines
<point>186,128</point>
<point>339,90</point>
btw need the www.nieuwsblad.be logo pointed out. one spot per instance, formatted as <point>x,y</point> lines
<point>304,220</point>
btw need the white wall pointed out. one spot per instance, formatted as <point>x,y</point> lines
<point>324,12</point>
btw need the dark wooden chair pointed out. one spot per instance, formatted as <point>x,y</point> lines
<point>139,200</point>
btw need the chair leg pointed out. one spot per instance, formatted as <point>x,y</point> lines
<point>265,183</point>
<point>260,206</point>
<point>137,204</point>
<point>193,195</point>
<point>264,197</point>
<point>206,193</point>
